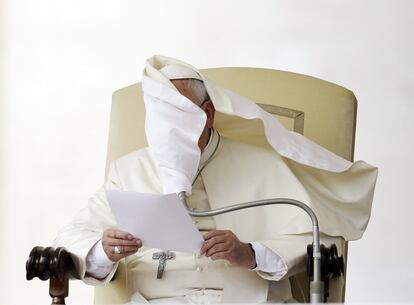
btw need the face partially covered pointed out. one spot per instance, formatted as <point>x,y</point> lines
<point>195,91</point>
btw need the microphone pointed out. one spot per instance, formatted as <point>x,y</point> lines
<point>316,286</point>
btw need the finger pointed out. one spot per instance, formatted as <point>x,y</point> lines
<point>123,242</point>
<point>124,249</point>
<point>117,257</point>
<point>211,242</point>
<point>125,254</point>
<point>113,233</point>
<point>213,233</point>
<point>220,255</point>
<point>217,248</point>
<point>119,234</point>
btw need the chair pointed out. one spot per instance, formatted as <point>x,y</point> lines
<point>322,111</point>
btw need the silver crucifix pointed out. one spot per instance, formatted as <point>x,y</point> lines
<point>162,256</point>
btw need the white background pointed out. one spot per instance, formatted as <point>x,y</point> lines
<point>61,60</point>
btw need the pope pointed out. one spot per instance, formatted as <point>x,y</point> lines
<point>247,255</point>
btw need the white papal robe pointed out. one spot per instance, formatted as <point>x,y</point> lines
<point>190,279</point>
<point>237,173</point>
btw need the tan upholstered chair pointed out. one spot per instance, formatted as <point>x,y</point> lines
<point>322,111</point>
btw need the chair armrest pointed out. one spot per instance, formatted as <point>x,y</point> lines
<point>332,266</point>
<point>54,264</point>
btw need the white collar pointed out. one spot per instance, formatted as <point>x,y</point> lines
<point>210,148</point>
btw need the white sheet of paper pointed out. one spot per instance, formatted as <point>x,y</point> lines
<point>160,221</point>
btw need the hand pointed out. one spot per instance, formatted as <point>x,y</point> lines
<point>126,243</point>
<point>223,244</point>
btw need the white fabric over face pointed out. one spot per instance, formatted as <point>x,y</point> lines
<point>173,131</point>
<point>174,125</point>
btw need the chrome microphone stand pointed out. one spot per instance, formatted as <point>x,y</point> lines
<point>316,287</point>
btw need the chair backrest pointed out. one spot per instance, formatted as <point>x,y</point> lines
<point>322,111</point>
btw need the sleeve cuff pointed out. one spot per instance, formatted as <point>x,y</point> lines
<point>99,256</point>
<point>267,261</point>
<point>98,265</point>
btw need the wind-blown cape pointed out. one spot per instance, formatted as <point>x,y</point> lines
<point>171,119</point>
<point>339,191</point>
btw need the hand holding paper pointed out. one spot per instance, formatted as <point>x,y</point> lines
<point>160,221</point>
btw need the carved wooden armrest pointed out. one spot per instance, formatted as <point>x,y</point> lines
<point>54,264</point>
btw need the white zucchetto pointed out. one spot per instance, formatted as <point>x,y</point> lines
<point>179,72</point>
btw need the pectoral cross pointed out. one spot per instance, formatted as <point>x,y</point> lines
<point>163,256</point>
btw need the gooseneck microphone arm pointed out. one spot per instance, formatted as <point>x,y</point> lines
<point>316,286</point>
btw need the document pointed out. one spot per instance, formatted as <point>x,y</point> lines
<point>160,221</point>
